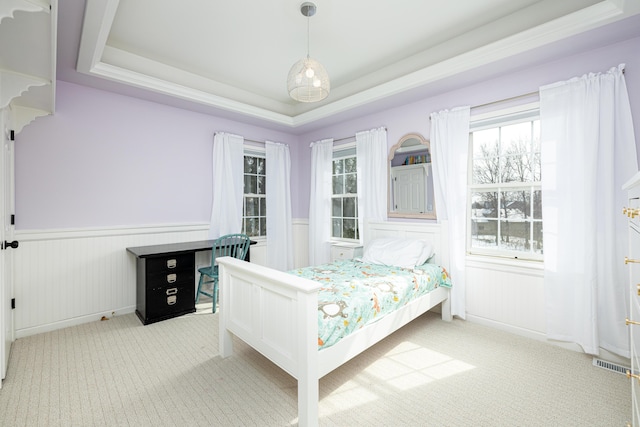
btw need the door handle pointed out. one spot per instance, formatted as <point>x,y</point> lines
<point>13,244</point>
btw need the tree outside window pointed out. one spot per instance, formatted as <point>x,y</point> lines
<point>505,191</point>
<point>344,203</point>
<point>254,213</point>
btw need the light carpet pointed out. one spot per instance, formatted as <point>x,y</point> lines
<point>118,372</point>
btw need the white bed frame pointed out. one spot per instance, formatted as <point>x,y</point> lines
<point>276,313</point>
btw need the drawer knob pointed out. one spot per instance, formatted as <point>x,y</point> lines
<point>171,278</point>
<point>631,261</point>
<point>172,263</point>
<point>630,375</point>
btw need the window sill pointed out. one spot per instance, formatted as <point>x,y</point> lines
<point>505,264</point>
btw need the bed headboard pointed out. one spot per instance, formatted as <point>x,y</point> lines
<point>436,233</point>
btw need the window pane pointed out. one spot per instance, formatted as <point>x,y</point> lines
<point>349,207</point>
<point>484,204</point>
<point>517,168</point>
<point>251,208</point>
<point>349,226</point>
<point>261,184</point>
<point>336,206</point>
<point>338,184</point>
<point>249,164</point>
<point>486,170</point>
<point>251,227</point>
<point>350,165</point>
<point>485,143</point>
<point>263,206</point>
<point>537,238</point>
<point>515,139</point>
<point>516,204</point>
<point>536,168</point>
<point>351,184</point>
<point>515,236</point>
<point>484,233</point>
<point>263,226</point>
<point>261,166</point>
<point>537,204</point>
<point>337,228</point>
<point>250,184</point>
<point>338,167</point>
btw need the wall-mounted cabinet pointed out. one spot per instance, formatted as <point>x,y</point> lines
<point>409,191</point>
<point>28,39</point>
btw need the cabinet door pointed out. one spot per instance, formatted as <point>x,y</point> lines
<point>409,190</point>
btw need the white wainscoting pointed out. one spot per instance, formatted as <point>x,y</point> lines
<point>69,277</point>
<point>508,295</point>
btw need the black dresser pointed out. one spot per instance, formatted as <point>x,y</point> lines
<point>166,279</point>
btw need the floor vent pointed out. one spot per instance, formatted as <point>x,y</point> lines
<point>610,366</point>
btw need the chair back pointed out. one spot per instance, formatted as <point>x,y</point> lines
<point>234,245</point>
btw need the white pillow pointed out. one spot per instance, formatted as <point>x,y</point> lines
<point>405,253</point>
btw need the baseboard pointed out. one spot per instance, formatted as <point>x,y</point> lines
<point>22,333</point>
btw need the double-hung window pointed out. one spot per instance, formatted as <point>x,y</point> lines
<point>254,212</point>
<point>344,201</point>
<point>505,197</point>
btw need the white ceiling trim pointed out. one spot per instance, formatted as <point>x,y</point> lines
<point>99,15</point>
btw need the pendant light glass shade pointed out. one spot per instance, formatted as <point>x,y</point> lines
<point>308,81</point>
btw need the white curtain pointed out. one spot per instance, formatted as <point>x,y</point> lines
<point>371,157</point>
<point>588,152</point>
<point>228,185</point>
<point>320,202</point>
<point>449,148</point>
<point>279,225</point>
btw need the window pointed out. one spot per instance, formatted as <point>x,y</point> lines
<point>505,194</point>
<point>344,203</point>
<point>254,212</point>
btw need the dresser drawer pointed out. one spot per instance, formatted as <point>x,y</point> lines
<point>341,251</point>
<point>170,264</point>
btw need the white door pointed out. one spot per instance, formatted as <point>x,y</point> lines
<point>6,254</point>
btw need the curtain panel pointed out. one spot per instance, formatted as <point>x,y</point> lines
<point>279,224</point>
<point>588,152</point>
<point>320,202</point>
<point>371,155</point>
<point>450,146</point>
<point>228,184</point>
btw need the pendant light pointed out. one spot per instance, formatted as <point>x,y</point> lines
<point>308,81</point>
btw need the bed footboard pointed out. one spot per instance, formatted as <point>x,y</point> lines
<point>275,313</point>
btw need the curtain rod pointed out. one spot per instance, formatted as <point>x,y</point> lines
<point>513,98</point>
<point>254,141</point>
<point>500,101</point>
<point>348,137</point>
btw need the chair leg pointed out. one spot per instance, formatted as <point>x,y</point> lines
<point>199,286</point>
<point>215,294</point>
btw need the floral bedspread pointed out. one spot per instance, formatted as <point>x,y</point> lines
<point>356,293</point>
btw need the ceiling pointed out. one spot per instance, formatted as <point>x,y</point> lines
<point>233,57</point>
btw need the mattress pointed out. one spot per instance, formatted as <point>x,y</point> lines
<point>354,294</point>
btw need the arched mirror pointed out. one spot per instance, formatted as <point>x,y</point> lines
<point>411,178</point>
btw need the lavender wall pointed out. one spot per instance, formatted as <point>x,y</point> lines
<point>109,160</point>
<point>415,117</point>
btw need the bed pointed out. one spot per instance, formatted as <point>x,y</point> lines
<point>277,314</point>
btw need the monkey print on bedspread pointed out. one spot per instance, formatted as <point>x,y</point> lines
<point>354,293</point>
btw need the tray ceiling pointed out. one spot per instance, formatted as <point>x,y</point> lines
<point>235,55</point>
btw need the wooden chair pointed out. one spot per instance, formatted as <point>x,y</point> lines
<point>234,245</point>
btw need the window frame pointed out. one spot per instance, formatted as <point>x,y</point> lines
<point>341,152</point>
<point>498,119</point>
<point>257,153</point>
